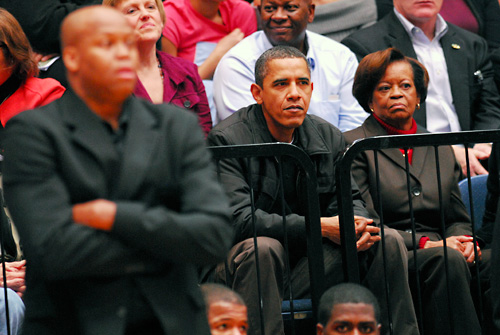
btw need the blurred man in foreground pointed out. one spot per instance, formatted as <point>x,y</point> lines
<point>115,198</point>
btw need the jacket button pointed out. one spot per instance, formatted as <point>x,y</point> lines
<point>187,104</point>
<point>416,192</point>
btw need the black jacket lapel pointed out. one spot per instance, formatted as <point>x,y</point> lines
<point>88,131</point>
<point>141,140</point>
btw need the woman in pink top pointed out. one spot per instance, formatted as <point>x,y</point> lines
<point>202,31</point>
<point>19,89</point>
<point>163,78</point>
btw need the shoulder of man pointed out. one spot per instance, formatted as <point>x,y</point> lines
<point>371,37</point>
<point>465,35</point>
<point>249,48</point>
<point>320,43</point>
<point>235,129</point>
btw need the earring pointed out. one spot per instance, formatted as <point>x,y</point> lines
<point>418,106</point>
<point>371,109</point>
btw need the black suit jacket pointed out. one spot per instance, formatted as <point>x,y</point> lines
<point>171,215</point>
<point>476,100</point>
<point>423,179</point>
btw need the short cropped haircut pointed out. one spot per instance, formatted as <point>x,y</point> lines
<point>16,48</point>
<point>278,52</point>
<point>372,68</point>
<point>159,4</point>
<point>343,294</point>
<point>215,292</point>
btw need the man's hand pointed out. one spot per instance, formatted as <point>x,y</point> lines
<point>480,151</point>
<point>43,58</point>
<point>367,240</point>
<point>463,244</point>
<point>331,230</point>
<point>98,214</point>
<point>15,272</point>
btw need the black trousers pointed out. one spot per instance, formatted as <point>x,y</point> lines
<point>443,315</point>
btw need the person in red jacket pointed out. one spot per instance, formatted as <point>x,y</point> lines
<point>19,88</point>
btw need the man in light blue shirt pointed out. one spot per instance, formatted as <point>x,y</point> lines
<point>332,65</point>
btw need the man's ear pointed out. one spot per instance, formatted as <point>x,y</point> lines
<point>257,93</point>
<point>319,329</point>
<point>71,58</point>
<point>310,18</point>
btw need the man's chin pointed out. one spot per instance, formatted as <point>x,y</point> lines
<point>279,39</point>
<point>293,124</point>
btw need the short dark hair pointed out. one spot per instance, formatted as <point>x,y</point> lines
<point>343,294</point>
<point>16,48</point>
<point>216,292</point>
<point>372,68</point>
<point>277,52</point>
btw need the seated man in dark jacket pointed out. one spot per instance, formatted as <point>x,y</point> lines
<point>283,90</point>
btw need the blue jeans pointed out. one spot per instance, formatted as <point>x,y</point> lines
<point>16,312</point>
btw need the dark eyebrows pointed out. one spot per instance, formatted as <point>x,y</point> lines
<point>277,81</point>
<point>285,80</point>
<point>362,323</point>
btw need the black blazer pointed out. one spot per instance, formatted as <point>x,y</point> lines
<point>423,179</point>
<point>476,101</point>
<point>171,215</point>
<point>486,12</point>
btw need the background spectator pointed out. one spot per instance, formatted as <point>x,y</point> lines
<point>19,89</point>
<point>332,65</point>
<point>41,20</point>
<point>226,310</point>
<point>202,31</point>
<point>462,94</point>
<point>162,78</point>
<point>481,17</point>
<point>348,309</point>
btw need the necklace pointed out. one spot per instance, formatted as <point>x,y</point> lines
<point>159,68</point>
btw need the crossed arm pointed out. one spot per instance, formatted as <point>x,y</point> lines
<point>132,236</point>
